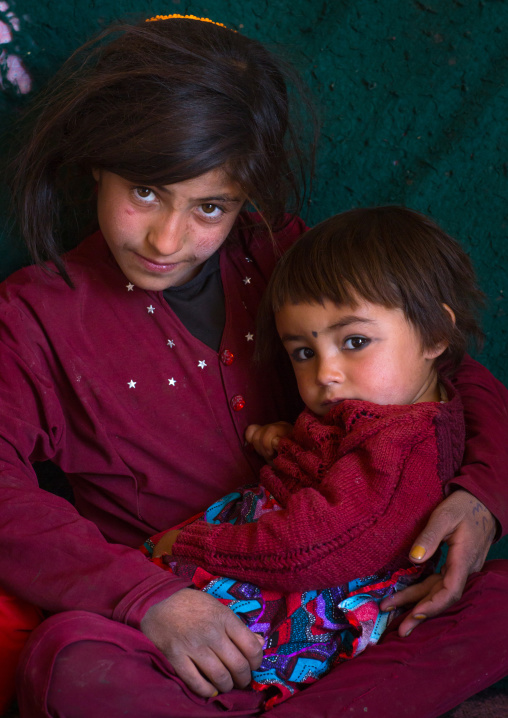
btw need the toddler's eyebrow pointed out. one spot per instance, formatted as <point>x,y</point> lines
<point>344,322</point>
<point>350,319</point>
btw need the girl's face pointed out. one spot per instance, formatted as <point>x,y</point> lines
<point>363,352</point>
<point>160,236</point>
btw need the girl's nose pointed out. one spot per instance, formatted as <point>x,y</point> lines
<point>329,372</point>
<point>167,235</point>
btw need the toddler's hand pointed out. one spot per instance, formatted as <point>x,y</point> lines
<point>265,439</point>
<point>165,545</point>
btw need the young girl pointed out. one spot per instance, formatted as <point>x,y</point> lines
<point>368,305</point>
<point>132,353</point>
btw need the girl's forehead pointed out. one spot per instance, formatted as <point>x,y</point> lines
<point>214,183</point>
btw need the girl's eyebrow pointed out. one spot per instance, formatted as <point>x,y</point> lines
<point>221,198</point>
<point>344,322</point>
<point>204,200</point>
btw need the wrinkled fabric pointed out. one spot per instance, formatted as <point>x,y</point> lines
<point>105,381</point>
<point>79,664</point>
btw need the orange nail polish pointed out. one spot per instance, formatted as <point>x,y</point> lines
<point>417,552</point>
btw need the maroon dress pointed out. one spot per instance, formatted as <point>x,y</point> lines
<point>148,424</point>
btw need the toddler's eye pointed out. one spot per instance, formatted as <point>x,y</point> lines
<point>356,343</point>
<point>301,354</point>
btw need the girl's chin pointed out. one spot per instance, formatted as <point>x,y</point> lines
<point>157,277</point>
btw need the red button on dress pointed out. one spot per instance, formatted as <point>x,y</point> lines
<point>227,357</point>
<point>237,402</point>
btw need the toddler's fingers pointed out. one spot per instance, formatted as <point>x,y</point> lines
<point>250,432</point>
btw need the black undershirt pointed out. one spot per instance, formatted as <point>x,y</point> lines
<point>199,304</point>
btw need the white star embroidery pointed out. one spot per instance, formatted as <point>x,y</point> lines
<point>130,287</point>
<point>247,280</point>
<point>202,364</point>
<point>151,309</point>
<point>171,343</point>
<point>172,381</point>
<point>131,384</point>
<point>249,337</point>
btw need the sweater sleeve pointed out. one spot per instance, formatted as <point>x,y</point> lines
<point>484,471</point>
<point>361,516</point>
<point>50,555</point>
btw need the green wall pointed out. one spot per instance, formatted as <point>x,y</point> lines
<point>412,94</point>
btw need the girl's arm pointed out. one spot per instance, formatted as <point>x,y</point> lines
<point>50,555</point>
<point>484,470</point>
<point>477,507</point>
<point>357,519</point>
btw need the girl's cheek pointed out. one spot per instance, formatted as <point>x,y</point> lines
<point>211,240</point>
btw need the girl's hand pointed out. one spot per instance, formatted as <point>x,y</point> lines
<point>165,545</point>
<point>468,528</point>
<point>265,439</point>
<point>208,646</point>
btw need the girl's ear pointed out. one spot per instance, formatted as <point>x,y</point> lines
<point>439,348</point>
<point>97,173</point>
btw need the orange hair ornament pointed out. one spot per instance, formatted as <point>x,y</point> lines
<point>187,17</point>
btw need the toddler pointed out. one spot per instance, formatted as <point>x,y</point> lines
<point>373,307</point>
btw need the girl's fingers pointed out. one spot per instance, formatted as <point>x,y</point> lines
<point>190,674</point>
<point>411,595</point>
<point>231,661</point>
<point>248,644</point>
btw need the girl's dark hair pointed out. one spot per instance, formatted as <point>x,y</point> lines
<point>391,256</point>
<point>158,103</point>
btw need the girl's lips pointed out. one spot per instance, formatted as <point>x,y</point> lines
<point>156,266</point>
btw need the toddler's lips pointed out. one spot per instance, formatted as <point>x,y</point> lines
<point>332,402</point>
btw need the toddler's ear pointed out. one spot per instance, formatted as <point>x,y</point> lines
<point>450,312</point>
<point>439,348</point>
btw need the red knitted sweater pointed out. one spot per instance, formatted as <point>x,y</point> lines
<point>355,487</point>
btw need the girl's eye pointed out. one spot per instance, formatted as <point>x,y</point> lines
<point>144,193</point>
<point>301,354</point>
<point>356,343</point>
<point>211,210</point>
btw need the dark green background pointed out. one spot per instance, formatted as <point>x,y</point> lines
<point>413,99</point>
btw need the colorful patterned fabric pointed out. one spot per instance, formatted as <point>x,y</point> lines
<point>306,634</point>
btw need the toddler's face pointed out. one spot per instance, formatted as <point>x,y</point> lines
<point>363,352</point>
